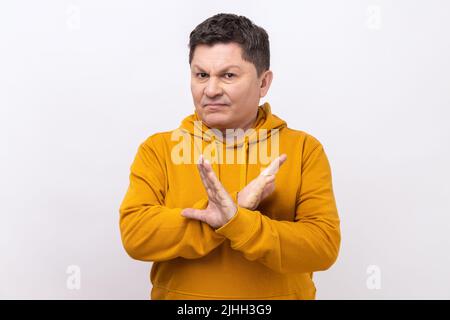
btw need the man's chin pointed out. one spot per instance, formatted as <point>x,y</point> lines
<point>216,121</point>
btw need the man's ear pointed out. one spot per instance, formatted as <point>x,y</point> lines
<point>265,81</point>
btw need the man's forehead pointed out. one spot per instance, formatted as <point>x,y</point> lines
<point>218,56</point>
<point>221,67</point>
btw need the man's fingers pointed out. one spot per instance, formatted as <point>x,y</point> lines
<point>262,181</point>
<point>194,214</point>
<point>274,166</point>
<point>210,181</point>
<point>270,179</point>
<point>210,175</point>
<point>201,170</point>
<point>206,183</point>
<point>270,183</point>
<point>267,182</point>
<point>202,175</point>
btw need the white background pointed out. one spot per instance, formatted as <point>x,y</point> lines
<point>83,83</point>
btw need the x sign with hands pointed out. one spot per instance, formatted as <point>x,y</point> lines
<point>260,187</point>
<point>221,207</point>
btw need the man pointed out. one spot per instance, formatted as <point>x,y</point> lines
<point>220,218</point>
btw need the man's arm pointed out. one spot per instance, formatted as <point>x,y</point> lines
<point>310,243</point>
<point>149,230</point>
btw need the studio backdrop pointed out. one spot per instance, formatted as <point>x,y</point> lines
<point>83,83</point>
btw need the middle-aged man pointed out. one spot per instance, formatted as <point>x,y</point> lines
<point>233,204</point>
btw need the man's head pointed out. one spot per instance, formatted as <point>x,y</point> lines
<point>230,59</point>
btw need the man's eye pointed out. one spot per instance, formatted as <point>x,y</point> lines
<point>229,75</point>
<point>201,75</point>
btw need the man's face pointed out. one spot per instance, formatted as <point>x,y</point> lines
<point>220,76</point>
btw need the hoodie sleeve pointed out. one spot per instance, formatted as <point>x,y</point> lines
<point>151,231</point>
<point>309,243</point>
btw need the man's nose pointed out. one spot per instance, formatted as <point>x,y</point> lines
<point>213,88</point>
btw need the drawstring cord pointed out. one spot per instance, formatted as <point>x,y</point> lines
<point>243,172</point>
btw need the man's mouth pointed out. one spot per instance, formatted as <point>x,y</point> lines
<point>215,106</point>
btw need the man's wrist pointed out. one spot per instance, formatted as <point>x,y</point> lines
<point>239,203</point>
<point>230,216</point>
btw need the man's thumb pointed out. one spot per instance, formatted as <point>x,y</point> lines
<point>193,214</point>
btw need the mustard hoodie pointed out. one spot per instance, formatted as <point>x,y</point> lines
<point>267,253</point>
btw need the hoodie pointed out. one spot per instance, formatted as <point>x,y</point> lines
<point>267,253</point>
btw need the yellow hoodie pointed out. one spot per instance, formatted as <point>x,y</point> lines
<point>267,253</point>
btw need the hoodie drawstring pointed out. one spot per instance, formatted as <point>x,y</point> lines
<point>217,158</point>
<point>243,172</point>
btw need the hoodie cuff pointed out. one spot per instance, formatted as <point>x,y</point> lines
<point>240,228</point>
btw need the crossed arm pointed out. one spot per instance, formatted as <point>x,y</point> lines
<point>153,232</point>
<point>221,207</point>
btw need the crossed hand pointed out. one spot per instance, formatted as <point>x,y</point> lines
<point>221,207</point>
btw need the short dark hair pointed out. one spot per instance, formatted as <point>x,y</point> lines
<point>226,28</point>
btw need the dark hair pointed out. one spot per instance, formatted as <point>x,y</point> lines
<point>226,28</point>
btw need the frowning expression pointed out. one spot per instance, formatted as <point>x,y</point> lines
<point>225,88</point>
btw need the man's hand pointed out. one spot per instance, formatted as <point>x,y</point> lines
<point>260,187</point>
<point>221,207</point>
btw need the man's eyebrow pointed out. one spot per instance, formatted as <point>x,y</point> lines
<point>226,68</point>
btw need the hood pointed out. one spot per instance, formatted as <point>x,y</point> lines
<point>264,120</point>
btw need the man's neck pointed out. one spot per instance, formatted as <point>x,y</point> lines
<point>244,128</point>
